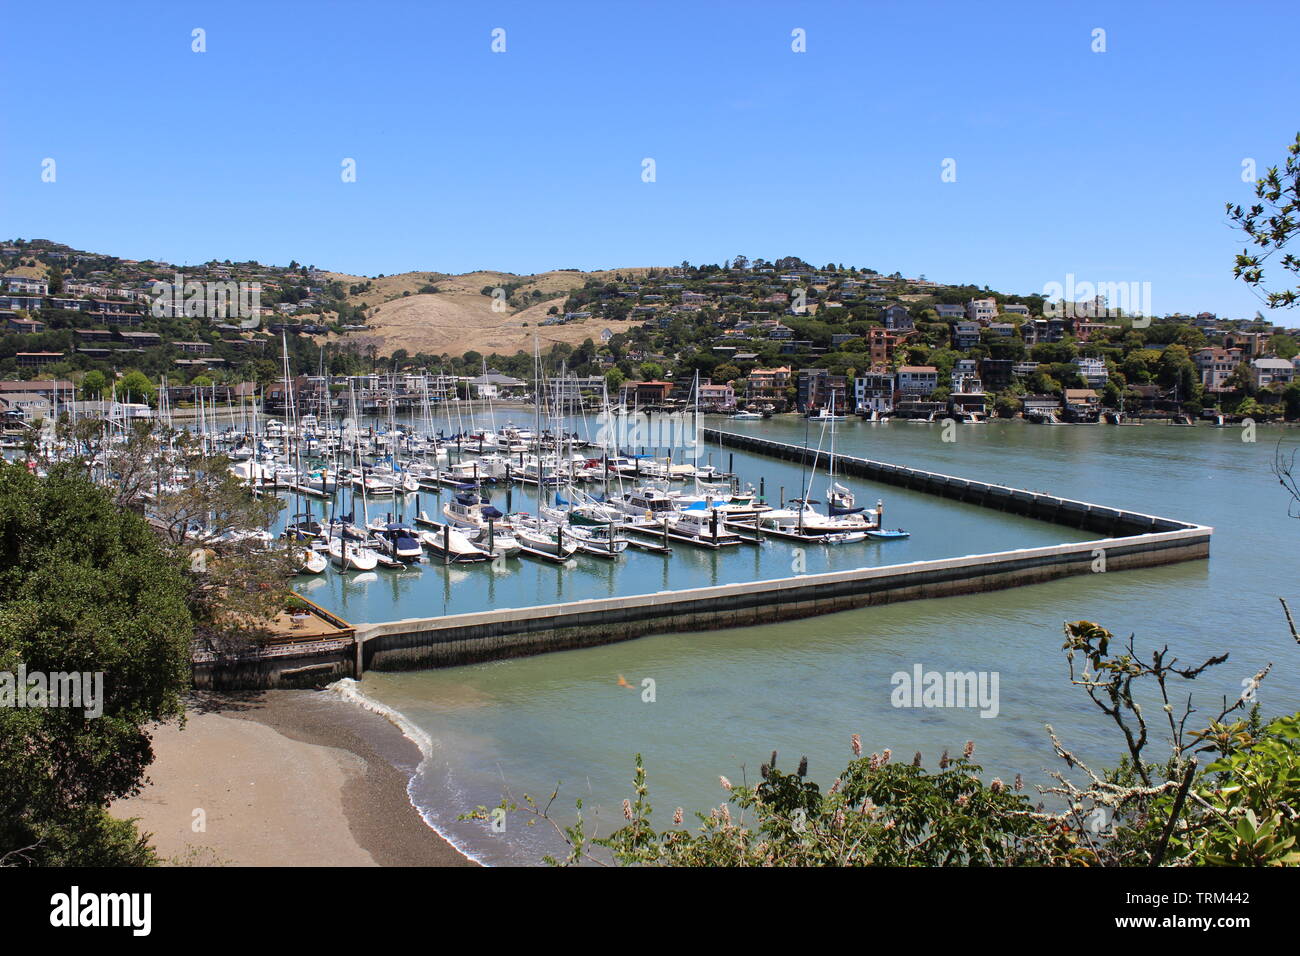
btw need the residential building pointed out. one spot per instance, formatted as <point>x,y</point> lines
<point>874,392</point>
<point>1269,371</point>
<point>966,335</point>
<point>37,359</point>
<point>1092,371</point>
<point>26,285</point>
<point>768,384</point>
<point>917,380</point>
<point>818,388</point>
<point>897,318</point>
<point>24,407</point>
<point>996,373</point>
<point>882,344</point>
<point>1216,365</point>
<point>24,326</point>
<point>645,393</point>
<point>59,390</point>
<point>716,398</point>
<point>982,311</point>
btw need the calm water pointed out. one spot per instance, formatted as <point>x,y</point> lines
<point>725,699</point>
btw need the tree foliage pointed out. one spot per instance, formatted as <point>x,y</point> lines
<point>1270,224</point>
<point>87,587</point>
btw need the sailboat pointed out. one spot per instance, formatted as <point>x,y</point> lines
<point>350,556</point>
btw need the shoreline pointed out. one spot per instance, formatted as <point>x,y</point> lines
<point>284,778</point>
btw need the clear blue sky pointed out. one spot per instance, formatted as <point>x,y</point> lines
<point>1112,166</point>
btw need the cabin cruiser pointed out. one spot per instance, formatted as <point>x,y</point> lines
<point>733,505</point>
<point>468,510</point>
<point>646,503</point>
<point>701,523</point>
<point>397,540</point>
<point>602,540</point>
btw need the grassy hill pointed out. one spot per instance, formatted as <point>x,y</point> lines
<point>459,318</point>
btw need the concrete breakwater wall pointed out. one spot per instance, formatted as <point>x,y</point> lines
<point>510,632</point>
<point>1130,540</point>
<point>1033,504</point>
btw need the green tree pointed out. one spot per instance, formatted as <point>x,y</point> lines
<point>135,386</point>
<point>85,587</point>
<point>93,384</point>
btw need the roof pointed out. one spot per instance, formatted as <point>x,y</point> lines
<point>917,369</point>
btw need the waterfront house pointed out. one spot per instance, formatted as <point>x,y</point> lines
<point>996,373</point>
<point>917,380</point>
<point>645,393</point>
<point>874,392</point>
<point>1081,405</point>
<point>717,398</point>
<point>818,388</point>
<point>565,390</point>
<point>1040,406</point>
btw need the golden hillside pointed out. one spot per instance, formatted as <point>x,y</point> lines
<point>459,318</point>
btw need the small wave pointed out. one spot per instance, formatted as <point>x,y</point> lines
<point>350,690</point>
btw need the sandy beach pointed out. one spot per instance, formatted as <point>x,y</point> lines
<point>283,778</point>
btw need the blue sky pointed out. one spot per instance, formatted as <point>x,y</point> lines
<point>1110,166</point>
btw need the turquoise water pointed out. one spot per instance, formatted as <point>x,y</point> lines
<point>725,699</point>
